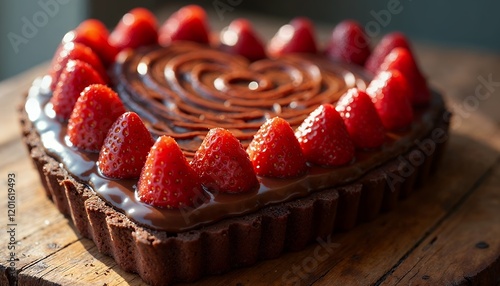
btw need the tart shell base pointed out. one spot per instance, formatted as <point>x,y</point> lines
<point>161,258</point>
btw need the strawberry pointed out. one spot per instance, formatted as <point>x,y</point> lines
<point>324,139</point>
<point>74,78</point>
<point>275,152</point>
<point>188,24</point>
<point>93,34</point>
<point>361,119</point>
<point>93,25</point>
<point>167,180</point>
<point>125,148</point>
<point>74,51</point>
<point>223,165</point>
<point>296,37</point>
<point>391,95</point>
<point>388,42</point>
<point>136,28</point>
<point>240,38</point>
<point>402,60</point>
<point>95,111</point>
<point>349,43</point>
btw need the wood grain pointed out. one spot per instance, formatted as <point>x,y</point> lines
<point>447,233</point>
<point>466,235</point>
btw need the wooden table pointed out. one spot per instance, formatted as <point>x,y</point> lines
<point>448,233</point>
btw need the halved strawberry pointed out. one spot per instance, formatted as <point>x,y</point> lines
<point>223,165</point>
<point>74,51</point>
<point>361,119</point>
<point>324,139</point>
<point>402,60</point>
<point>275,152</point>
<point>188,24</point>
<point>125,148</point>
<point>240,38</point>
<point>74,78</point>
<point>167,180</point>
<point>95,111</point>
<point>93,34</point>
<point>136,28</point>
<point>296,37</point>
<point>388,42</point>
<point>391,95</point>
<point>349,43</point>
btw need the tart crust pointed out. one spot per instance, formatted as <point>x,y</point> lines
<point>160,257</point>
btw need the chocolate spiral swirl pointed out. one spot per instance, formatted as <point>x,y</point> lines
<point>186,89</point>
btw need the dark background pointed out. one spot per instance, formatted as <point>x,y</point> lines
<point>460,24</point>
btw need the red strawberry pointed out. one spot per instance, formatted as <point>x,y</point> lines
<point>388,42</point>
<point>324,139</point>
<point>95,111</point>
<point>74,51</point>
<point>361,119</point>
<point>93,26</point>
<point>136,28</point>
<point>125,148</point>
<point>167,180</point>
<point>348,43</point>
<point>240,38</point>
<point>296,37</point>
<point>275,152</point>
<point>223,165</point>
<point>402,60</point>
<point>93,34</point>
<point>391,95</point>
<point>74,78</point>
<point>188,24</point>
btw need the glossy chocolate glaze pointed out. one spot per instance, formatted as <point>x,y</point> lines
<point>186,89</point>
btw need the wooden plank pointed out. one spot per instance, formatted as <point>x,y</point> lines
<point>467,243</point>
<point>469,76</point>
<point>386,241</point>
<point>33,209</point>
<point>10,88</point>
<point>45,242</point>
<point>40,229</point>
<point>77,264</point>
<point>11,131</point>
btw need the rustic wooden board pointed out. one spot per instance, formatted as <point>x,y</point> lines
<point>463,235</point>
<point>447,233</point>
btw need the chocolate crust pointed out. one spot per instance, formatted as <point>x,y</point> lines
<point>161,258</point>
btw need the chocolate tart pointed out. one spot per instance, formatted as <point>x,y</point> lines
<point>185,89</point>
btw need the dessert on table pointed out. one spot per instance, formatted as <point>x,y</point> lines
<point>183,152</point>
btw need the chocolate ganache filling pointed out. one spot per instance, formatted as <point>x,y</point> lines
<point>185,89</point>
